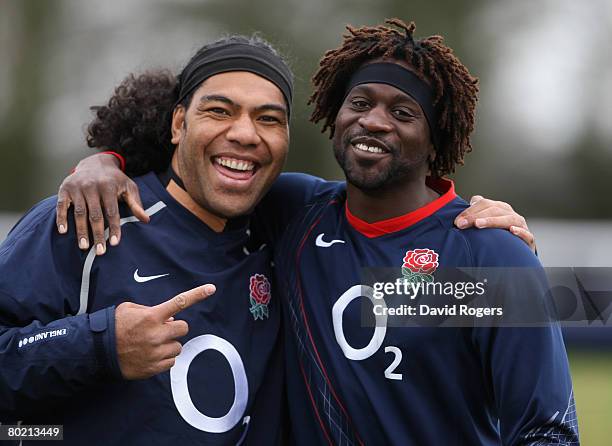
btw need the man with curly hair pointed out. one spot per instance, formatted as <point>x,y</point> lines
<point>90,342</point>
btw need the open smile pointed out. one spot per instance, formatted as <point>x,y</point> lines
<point>369,148</point>
<point>235,171</point>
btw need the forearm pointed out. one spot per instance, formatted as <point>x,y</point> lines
<point>532,387</point>
<point>43,364</point>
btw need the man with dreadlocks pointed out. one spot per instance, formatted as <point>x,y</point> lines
<point>400,112</point>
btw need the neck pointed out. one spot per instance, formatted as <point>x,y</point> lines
<point>214,222</point>
<point>383,204</point>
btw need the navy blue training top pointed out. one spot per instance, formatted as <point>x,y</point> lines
<point>58,363</point>
<point>350,384</point>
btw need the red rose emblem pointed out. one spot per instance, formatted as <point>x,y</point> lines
<point>421,261</point>
<point>260,289</point>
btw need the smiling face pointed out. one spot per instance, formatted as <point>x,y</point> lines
<point>381,137</point>
<point>232,142</point>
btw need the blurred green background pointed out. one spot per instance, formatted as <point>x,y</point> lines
<point>543,140</point>
<point>592,379</point>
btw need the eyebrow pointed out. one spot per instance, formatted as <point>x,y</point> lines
<point>217,97</point>
<point>273,107</point>
<point>408,100</point>
<point>228,101</point>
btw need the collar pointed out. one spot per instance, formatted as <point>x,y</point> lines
<point>175,186</point>
<point>444,186</point>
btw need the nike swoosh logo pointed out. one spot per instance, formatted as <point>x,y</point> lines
<point>142,279</point>
<point>323,244</point>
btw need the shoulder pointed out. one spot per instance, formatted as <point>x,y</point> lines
<point>488,247</point>
<point>304,188</point>
<point>35,241</point>
<point>40,219</point>
<point>498,247</point>
<point>41,214</point>
<point>447,214</point>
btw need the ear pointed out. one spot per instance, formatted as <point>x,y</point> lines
<point>431,158</point>
<point>432,153</point>
<point>178,124</point>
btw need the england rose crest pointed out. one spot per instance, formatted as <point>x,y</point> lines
<point>261,294</point>
<point>419,265</point>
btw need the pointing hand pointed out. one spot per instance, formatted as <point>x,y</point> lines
<point>146,336</point>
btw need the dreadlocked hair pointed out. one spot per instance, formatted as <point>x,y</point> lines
<point>136,121</point>
<point>455,90</point>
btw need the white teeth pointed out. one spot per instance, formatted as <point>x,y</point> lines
<point>235,164</point>
<point>367,148</point>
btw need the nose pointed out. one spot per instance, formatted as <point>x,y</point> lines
<point>243,132</point>
<point>375,120</point>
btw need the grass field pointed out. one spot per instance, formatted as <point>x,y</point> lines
<point>592,377</point>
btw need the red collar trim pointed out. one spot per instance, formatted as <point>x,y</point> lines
<point>443,186</point>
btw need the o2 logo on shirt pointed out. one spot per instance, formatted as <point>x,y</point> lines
<point>380,330</point>
<point>180,386</point>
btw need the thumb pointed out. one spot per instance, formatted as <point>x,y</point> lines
<point>475,199</point>
<point>184,300</point>
<point>135,204</point>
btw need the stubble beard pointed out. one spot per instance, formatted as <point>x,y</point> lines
<point>375,178</point>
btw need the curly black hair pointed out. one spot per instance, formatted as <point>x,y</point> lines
<point>455,89</point>
<point>136,121</point>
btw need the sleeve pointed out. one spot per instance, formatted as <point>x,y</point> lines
<point>48,352</point>
<point>527,367</point>
<point>531,385</point>
<point>289,194</point>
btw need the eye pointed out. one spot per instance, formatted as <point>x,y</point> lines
<point>218,111</point>
<point>215,111</point>
<point>402,114</point>
<point>359,103</point>
<point>269,119</point>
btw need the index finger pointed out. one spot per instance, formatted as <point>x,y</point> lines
<point>183,300</point>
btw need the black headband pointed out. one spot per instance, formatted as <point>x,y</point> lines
<point>399,77</point>
<point>237,57</point>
